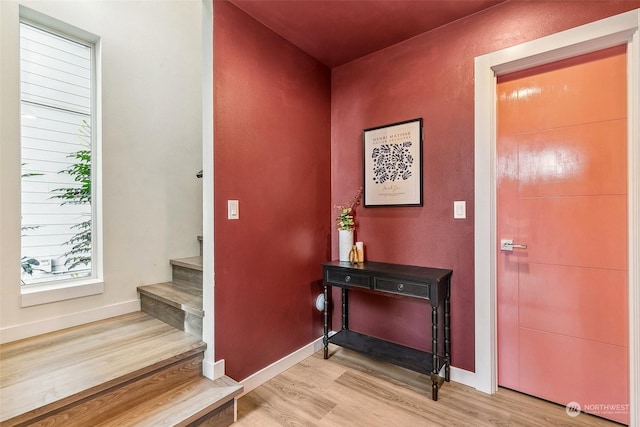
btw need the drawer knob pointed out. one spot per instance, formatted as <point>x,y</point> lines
<point>400,286</point>
<point>347,279</point>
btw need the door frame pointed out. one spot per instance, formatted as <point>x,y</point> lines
<point>210,368</point>
<point>598,35</point>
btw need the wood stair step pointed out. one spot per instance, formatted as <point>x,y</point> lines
<point>127,370</point>
<point>176,294</point>
<point>194,262</point>
<point>199,401</point>
<point>187,271</point>
<point>175,303</point>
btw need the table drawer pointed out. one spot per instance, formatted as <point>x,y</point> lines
<point>346,278</point>
<point>401,287</point>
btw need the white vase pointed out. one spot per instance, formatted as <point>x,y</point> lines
<point>345,244</point>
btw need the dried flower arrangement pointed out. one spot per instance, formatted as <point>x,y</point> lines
<point>345,218</point>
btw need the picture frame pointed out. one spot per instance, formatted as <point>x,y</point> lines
<point>392,164</point>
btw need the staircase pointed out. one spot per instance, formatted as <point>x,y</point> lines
<point>179,302</point>
<point>124,371</point>
<point>142,369</point>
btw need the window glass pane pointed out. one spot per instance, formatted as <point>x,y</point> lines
<point>54,71</point>
<point>56,157</point>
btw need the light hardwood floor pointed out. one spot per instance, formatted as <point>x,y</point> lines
<point>352,390</point>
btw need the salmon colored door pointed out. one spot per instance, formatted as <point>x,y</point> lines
<point>562,211</point>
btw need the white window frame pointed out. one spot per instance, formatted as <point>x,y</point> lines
<point>59,290</point>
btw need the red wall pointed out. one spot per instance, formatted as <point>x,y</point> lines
<point>430,76</point>
<point>272,153</point>
<point>288,146</point>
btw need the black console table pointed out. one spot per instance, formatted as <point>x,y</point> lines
<point>432,284</point>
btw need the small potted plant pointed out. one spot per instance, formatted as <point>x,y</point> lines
<point>346,226</point>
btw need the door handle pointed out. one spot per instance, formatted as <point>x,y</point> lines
<point>508,245</point>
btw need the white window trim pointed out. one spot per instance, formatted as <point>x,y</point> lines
<point>60,291</point>
<point>55,291</point>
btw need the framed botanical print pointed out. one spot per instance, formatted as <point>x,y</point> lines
<point>393,164</point>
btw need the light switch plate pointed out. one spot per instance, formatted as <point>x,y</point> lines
<point>233,209</point>
<point>459,209</point>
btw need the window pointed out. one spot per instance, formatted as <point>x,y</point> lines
<point>57,93</point>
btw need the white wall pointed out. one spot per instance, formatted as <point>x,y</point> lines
<point>151,151</point>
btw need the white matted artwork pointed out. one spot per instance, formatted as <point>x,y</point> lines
<point>393,164</point>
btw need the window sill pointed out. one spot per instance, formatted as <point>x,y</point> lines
<point>44,294</point>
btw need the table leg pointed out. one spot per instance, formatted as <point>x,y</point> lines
<point>434,350</point>
<point>435,383</point>
<point>447,339</point>
<point>345,309</point>
<point>325,336</point>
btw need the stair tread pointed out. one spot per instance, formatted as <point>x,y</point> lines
<point>56,369</point>
<point>194,262</point>
<point>184,404</point>
<point>178,295</point>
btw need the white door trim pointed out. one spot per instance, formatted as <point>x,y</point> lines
<point>210,368</point>
<point>605,33</point>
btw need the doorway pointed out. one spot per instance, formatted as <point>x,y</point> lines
<point>620,29</point>
<point>562,194</point>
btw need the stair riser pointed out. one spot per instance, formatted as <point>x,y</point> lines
<point>100,407</point>
<point>222,417</point>
<point>187,276</point>
<point>175,317</point>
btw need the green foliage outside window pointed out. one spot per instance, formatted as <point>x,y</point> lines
<point>80,252</point>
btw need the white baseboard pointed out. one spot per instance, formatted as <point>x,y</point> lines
<point>18,332</point>
<point>213,370</point>
<point>279,366</point>
<point>463,377</point>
